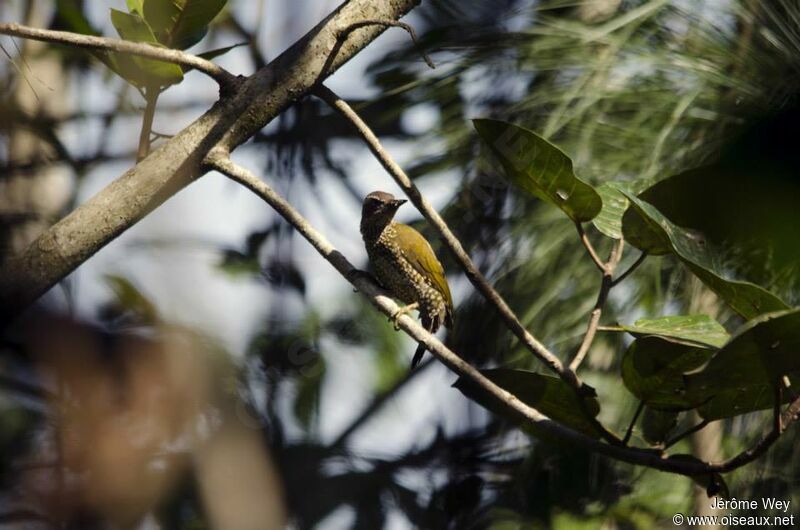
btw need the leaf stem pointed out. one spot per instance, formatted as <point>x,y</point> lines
<point>590,248</point>
<point>636,415</point>
<point>151,94</point>
<point>688,432</point>
<point>630,269</point>
<point>605,287</point>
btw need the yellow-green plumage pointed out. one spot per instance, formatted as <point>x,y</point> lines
<point>405,264</point>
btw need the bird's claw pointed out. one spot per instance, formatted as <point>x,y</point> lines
<point>400,312</point>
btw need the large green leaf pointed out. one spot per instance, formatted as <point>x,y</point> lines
<point>653,370</point>
<point>647,229</point>
<point>135,6</point>
<point>700,329</point>
<point>181,23</point>
<point>540,168</point>
<point>136,70</point>
<point>741,377</point>
<point>609,220</point>
<point>549,395</point>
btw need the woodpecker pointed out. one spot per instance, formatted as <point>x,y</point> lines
<point>405,264</point>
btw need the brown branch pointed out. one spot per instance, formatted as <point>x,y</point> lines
<point>788,417</point>
<point>447,236</point>
<point>636,415</point>
<point>590,248</point>
<point>688,432</point>
<point>142,49</point>
<point>391,23</point>
<point>630,269</point>
<point>219,161</point>
<point>605,287</point>
<point>241,112</point>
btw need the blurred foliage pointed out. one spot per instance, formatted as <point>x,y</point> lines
<point>691,103</point>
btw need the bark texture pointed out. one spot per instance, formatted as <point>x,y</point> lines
<point>242,111</point>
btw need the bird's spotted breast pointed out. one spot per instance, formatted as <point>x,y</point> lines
<point>402,280</point>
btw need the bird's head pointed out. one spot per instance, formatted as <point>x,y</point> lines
<point>378,209</point>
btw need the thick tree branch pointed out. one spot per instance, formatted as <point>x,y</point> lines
<point>645,457</point>
<point>219,74</point>
<point>240,114</point>
<point>452,242</point>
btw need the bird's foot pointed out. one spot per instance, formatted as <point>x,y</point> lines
<point>400,312</point>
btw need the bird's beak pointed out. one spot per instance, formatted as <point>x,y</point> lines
<point>398,202</point>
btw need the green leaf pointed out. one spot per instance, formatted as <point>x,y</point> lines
<point>653,370</point>
<point>657,425</point>
<point>73,18</point>
<point>213,53</point>
<point>609,220</point>
<point>132,27</point>
<point>647,229</point>
<point>181,23</point>
<point>699,329</point>
<point>549,395</point>
<point>540,168</point>
<point>135,6</point>
<point>130,299</point>
<point>741,377</point>
<point>136,70</point>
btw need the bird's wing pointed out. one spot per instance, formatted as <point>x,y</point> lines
<point>424,262</point>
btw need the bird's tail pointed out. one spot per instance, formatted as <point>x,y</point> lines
<point>418,355</point>
<point>428,324</point>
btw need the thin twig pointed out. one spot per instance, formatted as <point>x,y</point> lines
<point>219,74</point>
<point>590,248</point>
<point>594,318</point>
<point>19,71</point>
<point>447,236</point>
<point>646,457</point>
<point>788,417</point>
<point>636,415</point>
<point>155,135</point>
<point>630,269</point>
<point>391,23</point>
<point>777,424</point>
<point>249,104</point>
<point>378,402</point>
<point>688,432</point>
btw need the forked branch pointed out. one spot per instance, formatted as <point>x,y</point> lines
<point>219,74</point>
<point>447,236</point>
<point>646,457</point>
